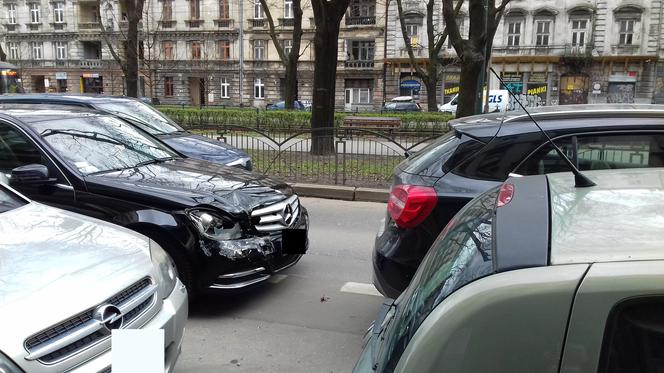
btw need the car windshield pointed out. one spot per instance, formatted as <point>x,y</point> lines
<point>439,150</point>
<point>9,200</point>
<point>149,119</point>
<point>461,254</point>
<point>97,144</point>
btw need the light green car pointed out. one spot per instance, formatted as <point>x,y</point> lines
<point>537,276</point>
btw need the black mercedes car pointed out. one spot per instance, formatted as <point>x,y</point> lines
<point>148,119</point>
<point>480,152</point>
<point>224,227</point>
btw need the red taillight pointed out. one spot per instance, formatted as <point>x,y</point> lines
<point>505,195</point>
<point>409,205</point>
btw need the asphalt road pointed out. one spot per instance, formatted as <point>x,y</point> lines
<point>300,321</point>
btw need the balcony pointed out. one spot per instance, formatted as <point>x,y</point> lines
<point>257,23</point>
<point>58,26</point>
<point>74,64</point>
<point>88,26</point>
<point>194,23</point>
<point>361,21</point>
<point>287,22</point>
<point>125,24</point>
<point>92,64</point>
<point>167,24</point>
<point>224,23</point>
<point>540,50</point>
<point>34,26</point>
<point>11,27</point>
<point>418,52</point>
<point>625,49</point>
<point>353,64</point>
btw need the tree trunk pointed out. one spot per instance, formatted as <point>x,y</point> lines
<point>470,90</point>
<point>132,57</point>
<point>325,74</point>
<point>291,83</point>
<point>431,82</point>
<point>3,56</point>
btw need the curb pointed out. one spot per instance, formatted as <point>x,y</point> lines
<point>341,192</point>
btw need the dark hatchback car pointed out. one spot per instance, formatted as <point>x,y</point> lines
<point>224,227</point>
<point>281,105</point>
<point>148,119</point>
<point>480,152</point>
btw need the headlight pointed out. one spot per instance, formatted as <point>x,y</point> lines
<point>8,366</point>
<point>165,268</point>
<point>213,226</point>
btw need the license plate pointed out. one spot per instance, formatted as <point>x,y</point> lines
<point>294,241</point>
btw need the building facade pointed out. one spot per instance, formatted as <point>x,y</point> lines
<point>551,52</point>
<point>193,52</point>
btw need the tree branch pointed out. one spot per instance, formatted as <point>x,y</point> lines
<point>409,47</point>
<point>107,40</point>
<point>443,38</point>
<point>273,32</point>
<point>452,26</point>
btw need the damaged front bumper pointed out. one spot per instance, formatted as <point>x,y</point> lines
<point>237,264</point>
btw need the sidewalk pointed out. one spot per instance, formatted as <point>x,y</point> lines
<point>341,192</point>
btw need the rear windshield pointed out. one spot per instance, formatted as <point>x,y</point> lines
<point>435,153</point>
<point>461,254</point>
<point>9,200</point>
<point>142,115</point>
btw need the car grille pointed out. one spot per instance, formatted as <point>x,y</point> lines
<point>278,216</point>
<point>83,330</point>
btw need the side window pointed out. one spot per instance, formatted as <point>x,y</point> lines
<point>546,159</point>
<point>634,338</point>
<point>599,153</point>
<point>16,150</point>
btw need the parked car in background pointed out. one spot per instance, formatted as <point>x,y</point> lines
<point>402,107</point>
<point>480,152</point>
<point>281,105</point>
<point>498,101</point>
<point>148,119</point>
<point>68,281</point>
<point>536,275</point>
<point>224,227</point>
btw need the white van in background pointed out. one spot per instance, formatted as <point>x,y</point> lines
<point>498,101</point>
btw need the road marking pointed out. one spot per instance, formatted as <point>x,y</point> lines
<point>275,279</point>
<point>360,288</point>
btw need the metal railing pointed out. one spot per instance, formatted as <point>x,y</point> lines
<point>357,157</point>
<point>366,20</point>
<point>257,23</point>
<point>287,22</point>
<point>359,64</point>
<point>224,22</point>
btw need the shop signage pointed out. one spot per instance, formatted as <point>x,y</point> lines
<point>537,78</point>
<point>411,84</point>
<point>60,76</point>
<point>91,75</point>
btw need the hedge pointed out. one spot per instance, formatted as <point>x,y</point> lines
<point>279,119</point>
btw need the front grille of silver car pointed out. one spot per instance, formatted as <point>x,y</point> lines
<point>278,216</point>
<point>82,331</point>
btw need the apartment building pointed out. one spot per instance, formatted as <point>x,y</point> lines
<point>551,52</point>
<point>193,52</point>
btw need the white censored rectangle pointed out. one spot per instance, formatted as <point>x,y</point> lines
<point>137,350</point>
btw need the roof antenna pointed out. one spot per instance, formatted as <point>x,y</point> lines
<point>580,180</point>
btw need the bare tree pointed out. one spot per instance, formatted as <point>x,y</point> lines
<point>128,60</point>
<point>474,52</point>
<point>3,55</point>
<point>435,41</point>
<point>327,17</point>
<point>290,60</point>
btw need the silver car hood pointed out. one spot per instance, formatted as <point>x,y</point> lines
<point>55,264</point>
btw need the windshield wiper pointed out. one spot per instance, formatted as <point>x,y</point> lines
<point>154,161</point>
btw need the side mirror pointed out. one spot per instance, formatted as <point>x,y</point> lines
<point>31,174</point>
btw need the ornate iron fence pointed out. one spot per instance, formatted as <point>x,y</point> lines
<point>360,157</point>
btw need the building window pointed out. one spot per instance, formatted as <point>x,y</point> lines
<point>225,88</point>
<point>61,50</point>
<point>11,14</point>
<point>196,51</point>
<point>513,34</point>
<point>259,88</point>
<point>167,10</point>
<point>363,8</point>
<point>35,13</point>
<point>579,29</point>
<point>543,33</point>
<point>13,50</point>
<point>224,9</point>
<point>288,8</point>
<point>168,86</point>
<point>359,91</point>
<point>167,46</point>
<point>361,50</point>
<point>411,33</point>
<point>224,50</point>
<point>259,50</point>
<point>59,12</point>
<point>626,31</point>
<point>37,50</point>
<point>195,9</point>
<point>288,46</point>
<point>258,10</point>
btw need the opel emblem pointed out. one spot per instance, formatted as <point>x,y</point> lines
<point>287,215</point>
<point>110,316</point>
